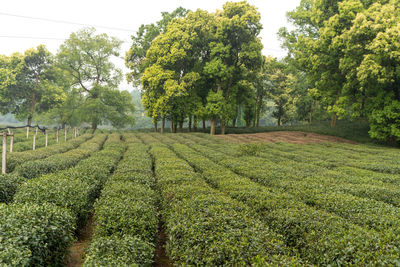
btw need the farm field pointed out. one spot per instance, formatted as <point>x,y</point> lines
<point>151,199</point>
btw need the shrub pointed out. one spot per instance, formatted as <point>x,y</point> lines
<point>46,231</point>
<point>119,251</point>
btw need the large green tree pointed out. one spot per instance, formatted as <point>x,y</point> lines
<point>86,56</point>
<point>30,86</point>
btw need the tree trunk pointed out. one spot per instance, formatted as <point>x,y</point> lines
<point>311,110</point>
<point>162,124</point>
<point>334,119</point>
<point>204,125</point>
<point>180,129</point>
<point>212,130</point>
<point>190,123</point>
<point>279,121</point>
<point>171,125</point>
<point>222,126</point>
<point>175,126</point>
<point>155,126</point>
<point>234,123</point>
<point>63,125</point>
<point>195,121</point>
<point>94,126</point>
<point>258,110</point>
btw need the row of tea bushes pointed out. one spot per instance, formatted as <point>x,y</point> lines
<point>17,158</point>
<point>42,221</point>
<point>75,188</point>
<point>126,215</point>
<point>206,227</point>
<point>320,237</point>
<point>57,162</point>
<point>10,182</point>
<point>280,168</point>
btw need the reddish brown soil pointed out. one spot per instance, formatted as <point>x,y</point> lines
<point>160,257</point>
<point>293,137</point>
<point>76,252</point>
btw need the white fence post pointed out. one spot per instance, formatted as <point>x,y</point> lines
<point>12,142</point>
<point>47,139</point>
<point>34,142</point>
<point>4,155</point>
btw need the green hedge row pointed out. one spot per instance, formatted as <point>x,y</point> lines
<point>126,215</point>
<point>277,166</point>
<point>9,183</point>
<point>57,162</point>
<point>17,158</point>
<point>34,235</point>
<point>75,188</point>
<point>51,206</point>
<point>320,237</point>
<point>27,144</point>
<point>206,227</point>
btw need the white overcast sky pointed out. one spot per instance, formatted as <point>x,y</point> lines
<point>125,14</point>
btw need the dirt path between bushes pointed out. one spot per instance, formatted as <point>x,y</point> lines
<point>75,257</point>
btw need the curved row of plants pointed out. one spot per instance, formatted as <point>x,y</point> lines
<point>207,227</point>
<point>39,227</point>
<point>125,213</point>
<point>11,181</point>
<point>279,166</point>
<point>32,169</point>
<point>15,159</point>
<point>319,236</point>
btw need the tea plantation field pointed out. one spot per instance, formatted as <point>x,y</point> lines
<point>197,200</point>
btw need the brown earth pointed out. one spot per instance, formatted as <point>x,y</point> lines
<point>76,252</point>
<point>293,137</point>
<point>160,258</point>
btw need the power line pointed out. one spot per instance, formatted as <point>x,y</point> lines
<point>66,22</point>
<point>31,37</point>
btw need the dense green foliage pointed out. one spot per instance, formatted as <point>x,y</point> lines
<point>204,226</point>
<point>126,215</point>
<point>350,56</point>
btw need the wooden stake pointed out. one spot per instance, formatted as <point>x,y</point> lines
<point>12,142</point>
<point>74,132</point>
<point>47,139</point>
<point>65,133</point>
<point>36,130</point>
<point>4,155</point>
<point>27,132</point>
<point>57,135</point>
<point>34,142</point>
<point>9,132</point>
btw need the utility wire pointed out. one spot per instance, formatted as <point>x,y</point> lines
<point>66,22</point>
<point>32,37</point>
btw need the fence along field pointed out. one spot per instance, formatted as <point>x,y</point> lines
<point>217,202</point>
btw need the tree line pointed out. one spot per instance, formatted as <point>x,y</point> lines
<point>195,66</point>
<point>342,63</point>
<point>77,85</point>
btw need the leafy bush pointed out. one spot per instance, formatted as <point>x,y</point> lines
<point>8,186</point>
<point>35,235</point>
<point>204,226</point>
<point>17,158</point>
<point>62,161</point>
<point>119,251</point>
<point>126,215</point>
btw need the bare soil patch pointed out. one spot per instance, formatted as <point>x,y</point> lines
<point>75,257</point>
<point>294,137</point>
